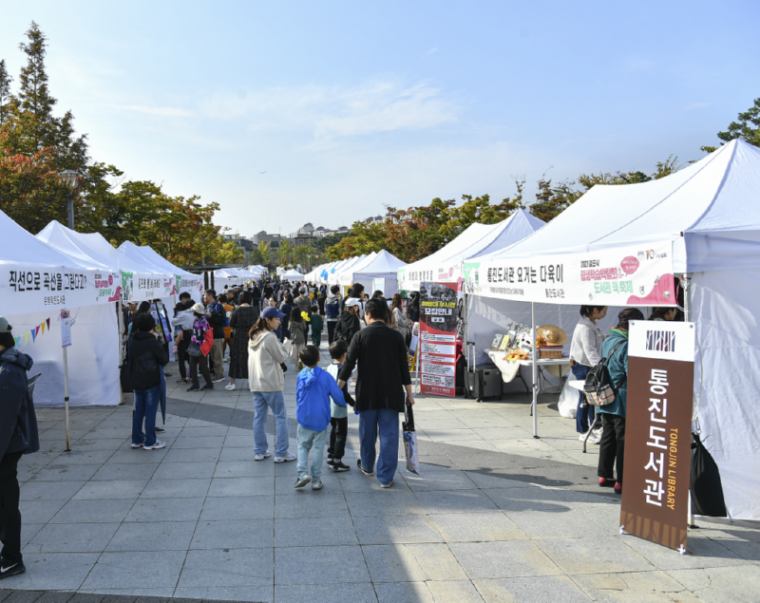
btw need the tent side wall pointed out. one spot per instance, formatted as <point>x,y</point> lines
<point>726,310</point>
<point>93,356</point>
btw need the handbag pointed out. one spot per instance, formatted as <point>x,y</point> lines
<point>208,342</point>
<point>194,350</point>
<point>410,441</point>
<point>598,387</point>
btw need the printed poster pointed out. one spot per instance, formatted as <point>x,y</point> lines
<point>438,336</point>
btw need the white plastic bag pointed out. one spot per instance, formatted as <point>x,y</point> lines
<point>568,399</point>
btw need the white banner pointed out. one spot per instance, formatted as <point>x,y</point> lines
<point>410,279</point>
<point>609,277</point>
<point>31,288</point>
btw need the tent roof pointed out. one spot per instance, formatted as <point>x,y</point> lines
<point>709,208</point>
<point>69,243</point>
<point>481,239</point>
<point>383,263</point>
<point>134,253</point>
<point>156,258</point>
<point>17,246</point>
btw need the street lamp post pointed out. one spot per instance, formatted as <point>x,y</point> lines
<point>70,179</point>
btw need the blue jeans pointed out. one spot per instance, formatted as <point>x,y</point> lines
<point>146,406</point>
<point>262,402</point>
<point>387,422</point>
<point>308,439</point>
<point>584,416</point>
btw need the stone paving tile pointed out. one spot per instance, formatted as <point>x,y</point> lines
<point>417,592</point>
<point>536,589</point>
<point>656,587</point>
<point>41,511</point>
<point>607,554</point>
<point>241,486</point>
<point>176,488</point>
<point>153,536</point>
<point>456,501</point>
<point>123,489</point>
<point>320,565</point>
<point>185,470</point>
<point>59,472</point>
<point>54,571</point>
<point>477,527</point>
<point>72,538</point>
<point>412,562</point>
<point>228,534</point>
<point>228,567</point>
<point>129,569</point>
<point>238,507</point>
<point>86,511</point>
<point>503,559</point>
<point>325,593</point>
<point>159,509</point>
<point>384,502</point>
<point>454,591</point>
<point>254,594</point>
<point>721,584</point>
<point>390,529</point>
<point>320,531</point>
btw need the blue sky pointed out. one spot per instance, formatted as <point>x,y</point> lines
<point>349,107</point>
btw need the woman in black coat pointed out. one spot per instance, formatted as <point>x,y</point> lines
<point>348,322</point>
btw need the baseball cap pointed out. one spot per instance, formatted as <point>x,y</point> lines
<point>351,301</point>
<point>272,312</point>
<point>199,309</point>
<point>4,326</point>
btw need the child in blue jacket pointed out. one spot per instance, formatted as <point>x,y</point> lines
<point>314,389</point>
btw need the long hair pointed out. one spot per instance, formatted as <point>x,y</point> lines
<point>396,303</point>
<point>261,325</point>
<point>295,315</point>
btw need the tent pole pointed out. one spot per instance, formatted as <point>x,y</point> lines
<point>687,316</point>
<point>535,370</point>
<point>66,394</point>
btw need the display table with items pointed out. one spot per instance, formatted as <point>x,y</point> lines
<point>513,350</point>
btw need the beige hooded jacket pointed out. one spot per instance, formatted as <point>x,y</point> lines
<point>265,354</point>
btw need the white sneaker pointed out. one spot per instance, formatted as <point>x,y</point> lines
<point>230,387</point>
<point>582,437</point>
<point>595,437</point>
<point>262,455</point>
<point>285,459</point>
<point>157,446</point>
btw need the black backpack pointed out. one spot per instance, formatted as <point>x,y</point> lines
<point>598,388</point>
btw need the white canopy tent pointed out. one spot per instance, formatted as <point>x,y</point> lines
<point>704,222</point>
<point>185,281</point>
<point>346,274</point>
<point>154,281</point>
<point>292,275</point>
<point>447,264</point>
<point>380,270</point>
<point>36,283</point>
<point>337,271</point>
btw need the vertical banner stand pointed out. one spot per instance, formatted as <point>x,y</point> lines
<point>120,339</point>
<point>535,370</point>
<point>65,343</point>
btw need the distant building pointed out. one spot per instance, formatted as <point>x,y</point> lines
<point>274,240</point>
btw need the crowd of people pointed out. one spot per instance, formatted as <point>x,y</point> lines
<point>257,331</point>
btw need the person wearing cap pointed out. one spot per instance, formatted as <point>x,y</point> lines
<point>348,323</point>
<point>612,445</point>
<point>266,381</point>
<point>303,303</point>
<point>18,436</point>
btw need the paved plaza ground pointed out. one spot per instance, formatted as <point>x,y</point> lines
<point>495,516</point>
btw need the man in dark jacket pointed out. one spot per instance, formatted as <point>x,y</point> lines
<point>383,377</point>
<point>18,436</point>
<point>217,317</point>
<point>146,357</point>
<point>332,312</point>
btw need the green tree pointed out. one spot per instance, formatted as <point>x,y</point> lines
<point>265,253</point>
<point>6,98</point>
<point>747,128</point>
<point>285,252</point>
<point>324,243</point>
<point>301,255</point>
<point>227,252</point>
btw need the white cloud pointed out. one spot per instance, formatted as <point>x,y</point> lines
<point>332,112</point>
<point>163,111</point>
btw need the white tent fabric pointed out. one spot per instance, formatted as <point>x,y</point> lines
<point>346,275</point>
<point>709,213</point>
<point>160,284</point>
<point>95,246</point>
<point>292,275</point>
<point>185,281</point>
<point>35,277</point>
<point>336,271</point>
<point>447,264</point>
<point>383,266</point>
